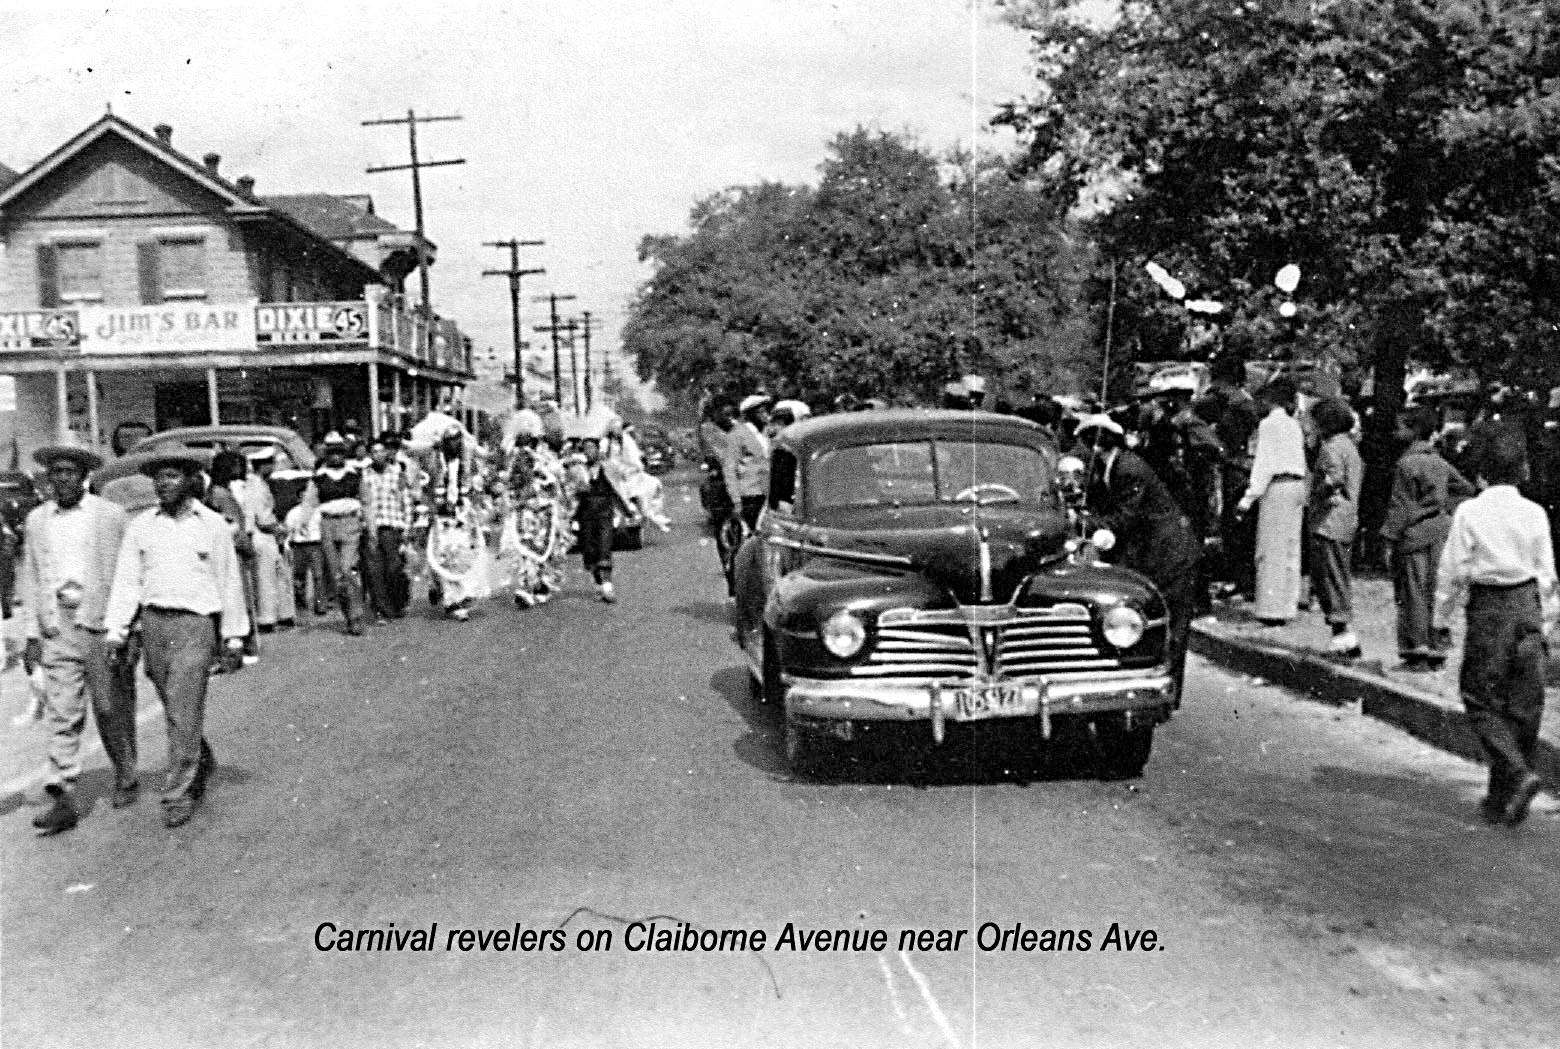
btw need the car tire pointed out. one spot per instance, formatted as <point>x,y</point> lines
<point>771,686</point>
<point>1123,752</point>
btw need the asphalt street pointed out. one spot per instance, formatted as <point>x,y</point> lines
<point>1310,877</point>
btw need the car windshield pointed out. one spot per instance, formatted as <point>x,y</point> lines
<point>923,472</point>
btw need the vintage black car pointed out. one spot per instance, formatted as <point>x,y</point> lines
<point>916,570</point>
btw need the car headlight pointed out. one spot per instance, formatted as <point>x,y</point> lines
<point>1123,626</point>
<point>843,634</point>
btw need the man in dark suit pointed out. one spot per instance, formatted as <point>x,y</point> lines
<point>1150,532</point>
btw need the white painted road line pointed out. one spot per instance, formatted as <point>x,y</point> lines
<point>931,1001</point>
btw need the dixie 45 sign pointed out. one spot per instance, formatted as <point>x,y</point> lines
<point>312,322</point>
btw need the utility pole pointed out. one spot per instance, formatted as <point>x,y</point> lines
<point>514,273</point>
<point>411,120</point>
<point>555,328</point>
<point>586,327</point>
<point>571,326</point>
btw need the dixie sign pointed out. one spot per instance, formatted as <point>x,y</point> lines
<point>312,322</point>
<point>172,327</point>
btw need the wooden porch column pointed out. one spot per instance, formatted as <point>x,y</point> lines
<point>61,406</point>
<point>375,427</point>
<point>94,426</point>
<point>213,402</point>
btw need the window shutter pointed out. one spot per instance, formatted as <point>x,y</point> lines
<point>48,277</point>
<point>150,271</point>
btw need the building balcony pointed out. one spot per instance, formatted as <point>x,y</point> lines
<point>381,328</point>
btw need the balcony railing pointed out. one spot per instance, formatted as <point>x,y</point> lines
<point>381,321</point>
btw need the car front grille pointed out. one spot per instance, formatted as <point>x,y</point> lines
<point>982,640</point>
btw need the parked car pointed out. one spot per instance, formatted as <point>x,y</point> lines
<point>293,452</point>
<point>917,571</point>
<point>294,459</point>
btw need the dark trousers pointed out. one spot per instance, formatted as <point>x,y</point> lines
<point>1332,574</point>
<point>595,543</point>
<point>340,537</point>
<point>308,565</point>
<point>179,649</point>
<point>388,588</point>
<point>1239,535</point>
<point>1413,589</point>
<point>1502,679</point>
<point>1180,594</point>
<point>752,506</point>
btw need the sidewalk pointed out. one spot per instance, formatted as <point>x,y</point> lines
<point>1425,705</point>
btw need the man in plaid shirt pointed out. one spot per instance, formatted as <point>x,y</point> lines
<point>387,503</point>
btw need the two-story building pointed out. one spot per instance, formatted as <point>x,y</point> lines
<point>140,286</point>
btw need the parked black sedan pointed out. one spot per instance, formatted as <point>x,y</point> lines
<point>917,569</point>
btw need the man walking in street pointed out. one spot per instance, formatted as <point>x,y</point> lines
<point>599,499</point>
<point>179,574</point>
<point>68,565</point>
<point>1499,551</point>
<point>337,489</point>
<point>387,504</point>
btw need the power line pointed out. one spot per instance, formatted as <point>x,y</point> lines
<point>411,120</point>
<point>514,273</point>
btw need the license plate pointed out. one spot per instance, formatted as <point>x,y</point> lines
<point>991,701</point>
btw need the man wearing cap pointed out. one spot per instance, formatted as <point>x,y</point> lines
<point>67,570</point>
<point>178,573</point>
<point>747,459</point>
<point>1150,533</point>
<point>337,489</point>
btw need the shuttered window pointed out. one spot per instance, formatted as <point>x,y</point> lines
<point>78,271</point>
<point>183,269</point>
<point>148,269</point>
<point>48,277</point>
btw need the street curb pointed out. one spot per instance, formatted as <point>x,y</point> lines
<point>1417,713</point>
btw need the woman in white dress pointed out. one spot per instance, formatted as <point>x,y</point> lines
<point>641,486</point>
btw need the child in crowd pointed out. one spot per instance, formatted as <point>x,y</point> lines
<point>1335,502</point>
<point>1425,490</point>
<point>308,559</point>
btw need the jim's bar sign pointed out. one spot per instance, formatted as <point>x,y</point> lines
<point>38,329</point>
<point>311,322</point>
<point>171,327</point>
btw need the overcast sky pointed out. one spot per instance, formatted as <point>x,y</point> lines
<point>587,123</point>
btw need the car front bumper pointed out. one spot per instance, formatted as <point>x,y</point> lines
<point>1150,692</point>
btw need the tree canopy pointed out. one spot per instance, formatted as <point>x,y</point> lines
<point>896,273</point>
<point>1402,152</point>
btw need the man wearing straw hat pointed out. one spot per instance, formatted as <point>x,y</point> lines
<point>178,573</point>
<point>67,569</point>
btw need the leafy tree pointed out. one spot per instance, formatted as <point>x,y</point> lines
<point>1402,152</point>
<point>897,273</point>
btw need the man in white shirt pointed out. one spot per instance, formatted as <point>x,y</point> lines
<point>1499,552</point>
<point>67,567</point>
<point>747,459</point>
<point>179,574</point>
